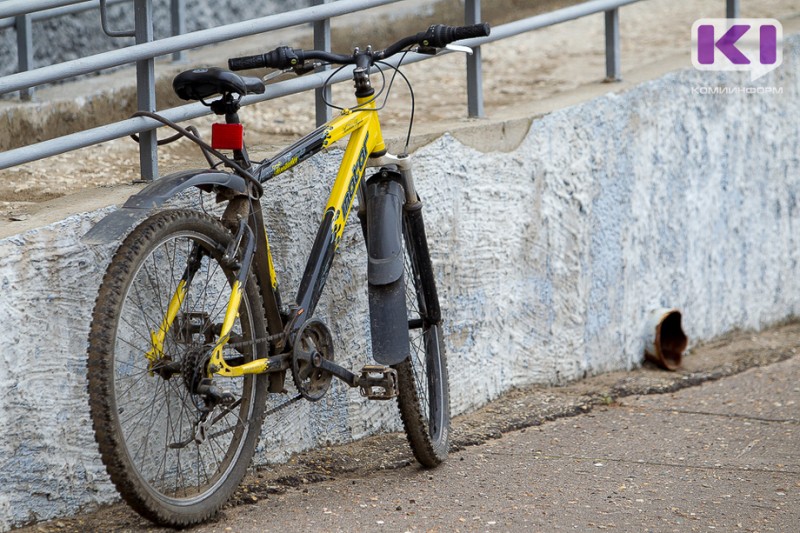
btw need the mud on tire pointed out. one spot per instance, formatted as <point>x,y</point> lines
<point>164,465</point>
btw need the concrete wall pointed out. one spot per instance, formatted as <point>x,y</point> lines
<point>549,257</point>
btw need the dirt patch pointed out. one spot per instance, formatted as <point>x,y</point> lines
<point>514,411</point>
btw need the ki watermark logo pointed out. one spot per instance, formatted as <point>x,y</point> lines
<point>754,45</point>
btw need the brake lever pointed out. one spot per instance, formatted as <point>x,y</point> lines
<point>274,74</point>
<point>459,48</point>
<point>432,51</point>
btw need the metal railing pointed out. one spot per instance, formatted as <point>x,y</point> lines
<point>23,24</point>
<point>146,50</point>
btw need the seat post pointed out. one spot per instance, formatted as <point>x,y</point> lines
<point>232,118</point>
<point>227,106</point>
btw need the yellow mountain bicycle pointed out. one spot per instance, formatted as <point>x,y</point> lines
<point>189,332</point>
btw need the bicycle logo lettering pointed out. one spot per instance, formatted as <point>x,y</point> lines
<point>357,169</point>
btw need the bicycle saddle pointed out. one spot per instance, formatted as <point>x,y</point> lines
<point>200,83</point>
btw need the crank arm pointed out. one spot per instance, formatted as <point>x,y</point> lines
<point>317,361</point>
<point>367,382</point>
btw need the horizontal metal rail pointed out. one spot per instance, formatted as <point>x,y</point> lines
<point>130,126</point>
<point>547,19</point>
<point>62,11</point>
<point>168,45</point>
<point>12,8</point>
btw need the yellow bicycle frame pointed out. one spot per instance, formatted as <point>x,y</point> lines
<point>363,127</point>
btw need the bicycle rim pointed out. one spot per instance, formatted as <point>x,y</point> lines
<point>424,396</point>
<point>172,458</point>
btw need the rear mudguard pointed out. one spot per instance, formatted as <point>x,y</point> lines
<point>116,225</point>
<point>387,295</point>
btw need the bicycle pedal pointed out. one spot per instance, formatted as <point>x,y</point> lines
<point>378,382</point>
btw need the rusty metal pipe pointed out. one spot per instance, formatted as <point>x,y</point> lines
<point>665,340</point>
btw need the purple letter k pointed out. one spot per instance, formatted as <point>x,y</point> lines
<point>726,44</point>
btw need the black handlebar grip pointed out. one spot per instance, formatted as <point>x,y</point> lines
<point>281,58</point>
<point>247,62</point>
<point>468,32</point>
<point>440,35</point>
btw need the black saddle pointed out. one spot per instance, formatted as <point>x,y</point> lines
<point>201,83</point>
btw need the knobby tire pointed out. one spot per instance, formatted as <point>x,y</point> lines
<point>144,416</point>
<point>423,396</point>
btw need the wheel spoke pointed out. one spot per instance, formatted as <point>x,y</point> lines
<point>154,413</point>
<point>423,397</point>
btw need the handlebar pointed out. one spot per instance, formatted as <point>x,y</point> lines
<point>284,57</point>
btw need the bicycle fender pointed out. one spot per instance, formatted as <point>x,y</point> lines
<point>387,296</point>
<point>117,224</point>
<point>385,200</point>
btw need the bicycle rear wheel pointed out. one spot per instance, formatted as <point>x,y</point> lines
<point>423,397</point>
<point>174,455</point>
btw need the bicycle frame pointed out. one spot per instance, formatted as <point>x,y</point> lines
<point>366,139</point>
<point>362,125</point>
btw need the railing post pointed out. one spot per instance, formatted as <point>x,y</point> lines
<point>177,10</point>
<point>472,15</point>
<point>322,41</point>
<point>24,49</point>
<point>732,9</point>
<point>612,46</point>
<point>146,89</point>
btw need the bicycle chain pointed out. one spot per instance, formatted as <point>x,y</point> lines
<point>271,412</point>
<point>277,408</point>
<point>269,339</point>
<point>283,405</point>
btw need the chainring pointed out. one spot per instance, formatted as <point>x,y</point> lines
<point>313,340</point>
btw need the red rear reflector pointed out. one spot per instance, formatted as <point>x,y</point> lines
<point>227,136</point>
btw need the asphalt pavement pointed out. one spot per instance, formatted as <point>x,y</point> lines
<point>721,456</point>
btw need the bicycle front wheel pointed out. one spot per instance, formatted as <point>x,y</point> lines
<point>174,455</point>
<point>423,398</point>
